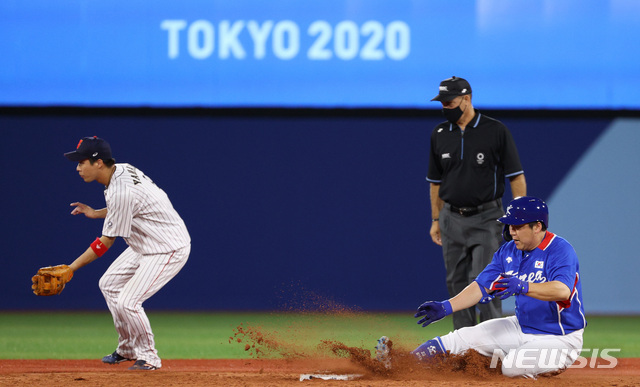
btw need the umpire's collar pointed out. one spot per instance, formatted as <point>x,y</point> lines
<point>473,123</point>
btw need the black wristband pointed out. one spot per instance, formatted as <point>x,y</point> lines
<point>435,219</point>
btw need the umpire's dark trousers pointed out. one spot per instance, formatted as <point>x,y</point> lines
<point>468,244</point>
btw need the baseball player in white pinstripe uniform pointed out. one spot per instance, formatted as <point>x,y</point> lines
<point>159,245</point>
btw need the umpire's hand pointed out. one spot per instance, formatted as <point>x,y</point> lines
<point>435,233</point>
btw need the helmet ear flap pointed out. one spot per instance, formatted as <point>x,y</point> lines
<point>506,235</point>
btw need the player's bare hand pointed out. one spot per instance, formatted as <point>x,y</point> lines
<point>435,233</point>
<point>81,208</point>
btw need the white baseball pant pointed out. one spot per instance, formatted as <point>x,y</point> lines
<point>131,280</point>
<point>522,354</point>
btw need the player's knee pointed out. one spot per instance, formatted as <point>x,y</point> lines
<point>428,349</point>
<point>127,304</point>
<point>102,284</point>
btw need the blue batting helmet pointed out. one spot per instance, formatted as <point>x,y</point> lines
<point>523,210</point>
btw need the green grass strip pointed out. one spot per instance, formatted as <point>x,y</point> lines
<point>187,335</point>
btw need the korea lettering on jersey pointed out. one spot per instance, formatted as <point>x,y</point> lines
<point>553,260</point>
<point>142,214</point>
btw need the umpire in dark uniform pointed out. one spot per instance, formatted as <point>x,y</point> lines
<point>471,155</point>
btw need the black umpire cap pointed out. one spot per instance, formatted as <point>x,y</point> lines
<point>90,148</point>
<point>451,88</point>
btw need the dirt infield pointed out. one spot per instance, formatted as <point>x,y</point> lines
<point>279,372</point>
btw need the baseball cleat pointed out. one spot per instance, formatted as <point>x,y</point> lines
<point>383,349</point>
<point>114,358</point>
<point>142,365</point>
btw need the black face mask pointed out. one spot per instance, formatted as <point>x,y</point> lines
<point>452,115</point>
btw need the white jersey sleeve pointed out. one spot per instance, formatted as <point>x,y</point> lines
<point>119,212</point>
<point>142,214</point>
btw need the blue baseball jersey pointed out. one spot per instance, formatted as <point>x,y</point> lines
<point>553,260</point>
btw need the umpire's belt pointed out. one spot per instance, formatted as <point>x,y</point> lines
<point>470,211</point>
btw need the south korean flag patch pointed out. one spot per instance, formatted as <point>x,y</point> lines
<point>539,264</point>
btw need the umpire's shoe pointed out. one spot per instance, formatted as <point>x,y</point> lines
<point>142,365</point>
<point>114,358</point>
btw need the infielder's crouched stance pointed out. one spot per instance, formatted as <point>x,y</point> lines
<point>159,245</point>
<point>541,270</point>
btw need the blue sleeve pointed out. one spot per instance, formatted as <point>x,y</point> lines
<point>493,269</point>
<point>563,265</point>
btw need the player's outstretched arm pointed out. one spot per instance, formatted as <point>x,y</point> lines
<point>433,311</point>
<point>467,298</point>
<point>93,252</point>
<point>81,208</point>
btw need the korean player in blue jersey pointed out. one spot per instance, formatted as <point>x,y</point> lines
<point>538,268</point>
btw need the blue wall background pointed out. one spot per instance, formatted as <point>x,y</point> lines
<point>337,53</point>
<point>291,210</point>
<point>297,208</point>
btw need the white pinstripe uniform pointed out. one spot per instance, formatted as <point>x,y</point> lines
<point>159,246</point>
